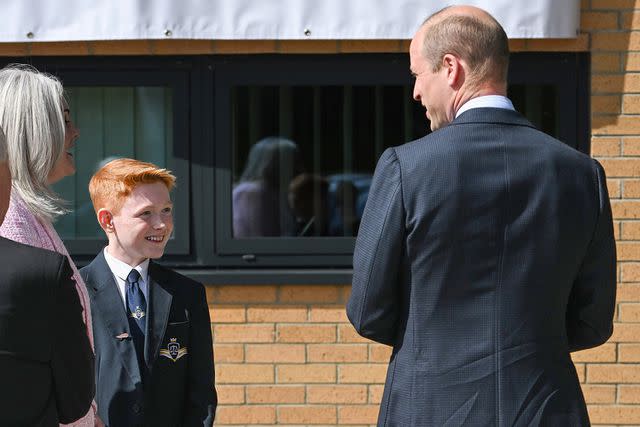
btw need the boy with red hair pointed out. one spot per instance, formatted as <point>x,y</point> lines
<point>151,325</point>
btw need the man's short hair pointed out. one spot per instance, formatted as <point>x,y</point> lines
<point>114,182</point>
<point>481,43</point>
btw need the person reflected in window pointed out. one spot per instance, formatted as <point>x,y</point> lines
<point>40,140</point>
<point>308,201</point>
<point>260,205</point>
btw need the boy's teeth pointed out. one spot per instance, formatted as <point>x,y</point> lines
<point>155,239</point>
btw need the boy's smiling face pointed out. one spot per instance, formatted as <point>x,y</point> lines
<point>142,226</point>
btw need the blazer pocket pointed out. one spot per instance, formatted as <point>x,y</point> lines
<point>183,322</point>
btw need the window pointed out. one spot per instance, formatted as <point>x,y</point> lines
<point>273,153</point>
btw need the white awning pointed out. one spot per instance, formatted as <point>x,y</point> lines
<point>67,20</point>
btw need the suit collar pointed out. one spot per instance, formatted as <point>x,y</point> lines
<point>108,302</point>
<point>160,298</point>
<point>492,116</point>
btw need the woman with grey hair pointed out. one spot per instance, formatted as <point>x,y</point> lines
<point>40,136</point>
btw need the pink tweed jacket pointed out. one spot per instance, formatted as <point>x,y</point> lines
<point>22,226</point>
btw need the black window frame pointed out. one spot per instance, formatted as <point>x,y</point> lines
<point>204,247</point>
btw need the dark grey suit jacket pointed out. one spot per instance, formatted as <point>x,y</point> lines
<point>176,392</point>
<point>46,362</point>
<point>485,255</point>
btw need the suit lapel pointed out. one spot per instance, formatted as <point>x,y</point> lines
<point>108,302</point>
<point>160,303</point>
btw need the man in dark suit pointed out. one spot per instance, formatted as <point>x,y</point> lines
<point>46,361</point>
<point>486,253</point>
<point>151,325</point>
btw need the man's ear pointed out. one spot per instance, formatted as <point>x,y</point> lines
<point>106,220</point>
<point>454,69</point>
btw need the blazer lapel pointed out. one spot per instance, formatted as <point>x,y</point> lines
<point>160,303</point>
<point>108,302</point>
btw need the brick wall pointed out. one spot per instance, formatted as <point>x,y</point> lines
<point>611,373</point>
<point>286,354</point>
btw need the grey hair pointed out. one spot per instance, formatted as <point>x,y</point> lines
<point>32,117</point>
<point>3,147</point>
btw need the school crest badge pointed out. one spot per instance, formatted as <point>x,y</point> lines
<point>173,350</point>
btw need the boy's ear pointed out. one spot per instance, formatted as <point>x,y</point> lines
<point>106,220</point>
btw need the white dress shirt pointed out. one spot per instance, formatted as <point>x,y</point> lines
<point>491,101</point>
<point>120,272</point>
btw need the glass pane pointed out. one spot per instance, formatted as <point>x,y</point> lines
<point>304,156</point>
<point>123,121</point>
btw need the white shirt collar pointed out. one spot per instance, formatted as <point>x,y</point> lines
<point>490,101</point>
<point>121,270</point>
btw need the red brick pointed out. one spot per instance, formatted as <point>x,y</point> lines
<point>625,332</point>
<point>630,231</point>
<point>228,353</point>
<point>253,332</point>
<point>230,394</point>
<point>628,251</point>
<point>337,353</point>
<point>275,394</point>
<point>630,272</point>
<point>309,294</point>
<point>379,353</point>
<point>227,314</point>
<point>353,414</point>
<point>605,62</point>
<point>277,313</point>
<point>629,353</point>
<point>581,371</point>
<point>629,394</point>
<point>614,414</point>
<point>631,146</point>
<point>618,125</point>
<point>609,104</point>
<point>275,353</point>
<point>243,294</point>
<point>621,168</point>
<point>614,186</point>
<point>603,353</point>
<point>336,393</point>
<point>362,374</point>
<point>603,146</point>
<point>599,393</point>
<point>629,312</point>
<point>631,61</point>
<point>346,333</point>
<point>307,414</point>
<point>375,393</point>
<point>598,20</point>
<point>238,373</point>
<point>628,292</point>
<point>625,209</point>
<point>305,374</point>
<point>245,414</point>
<point>607,83</point>
<point>306,333</point>
<point>332,313</point>
<point>631,188</point>
<point>613,4</point>
<point>613,373</point>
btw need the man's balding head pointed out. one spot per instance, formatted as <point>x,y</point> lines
<point>472,35</point>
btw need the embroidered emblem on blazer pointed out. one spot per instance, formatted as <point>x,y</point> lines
<point>173,350</point>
